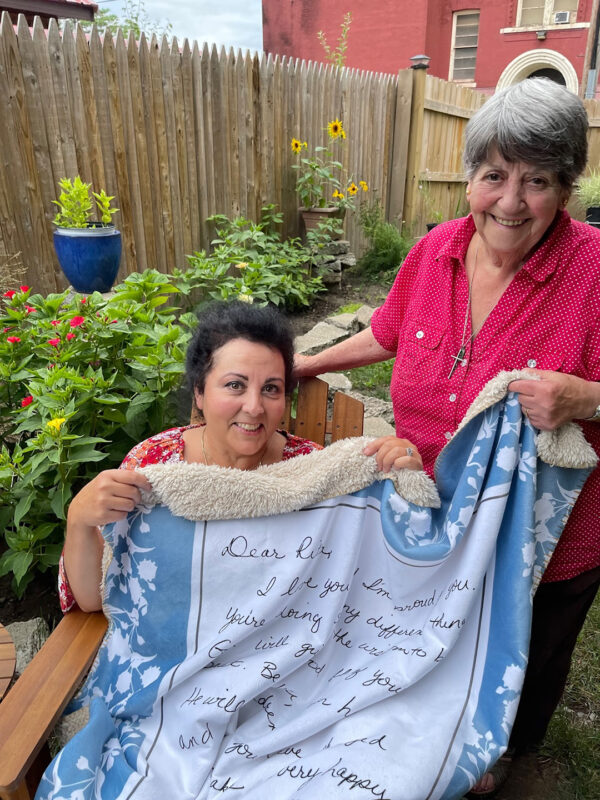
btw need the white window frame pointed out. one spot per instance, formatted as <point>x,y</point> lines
<point>453,48</point>
<point>547,21</point>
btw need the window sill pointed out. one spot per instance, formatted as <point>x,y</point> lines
<point>534,28</point>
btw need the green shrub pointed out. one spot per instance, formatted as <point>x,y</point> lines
<point>81,381</point>
<point>251,262</point>
<point>387,246</point>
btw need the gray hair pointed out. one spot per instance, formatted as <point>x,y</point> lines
<point>536,121</point>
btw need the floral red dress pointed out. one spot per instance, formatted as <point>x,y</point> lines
<point>167,448</point>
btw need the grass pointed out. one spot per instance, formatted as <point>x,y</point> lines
<point>373,380</point>
<point>349,308</point>
<point>573,740</point>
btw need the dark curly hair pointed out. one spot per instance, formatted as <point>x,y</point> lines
<point>220,322</point>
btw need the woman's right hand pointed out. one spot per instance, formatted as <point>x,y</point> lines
<point>109,497</point>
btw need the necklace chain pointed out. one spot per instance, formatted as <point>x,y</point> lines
<point>459,357</point>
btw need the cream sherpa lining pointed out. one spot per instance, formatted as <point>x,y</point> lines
<point>564,447</point>
<point>198,492</point>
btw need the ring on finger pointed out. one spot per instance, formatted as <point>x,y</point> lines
<point>526,412</point>
<point>409,452</point>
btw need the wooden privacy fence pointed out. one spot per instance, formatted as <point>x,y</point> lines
<point>178,133</point>
<point>175,133</point>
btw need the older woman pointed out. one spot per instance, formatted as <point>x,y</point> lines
<point>239,370</point>
<point>516,284</point>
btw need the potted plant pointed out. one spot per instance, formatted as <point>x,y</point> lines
<point>88,250</point>
<point>319,185</point>
<point>588,192</point>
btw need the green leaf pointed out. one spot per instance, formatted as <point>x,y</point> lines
<point>23,507</point>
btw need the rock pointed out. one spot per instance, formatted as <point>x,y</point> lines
<point>349,322</point>
<point>363,315</point>
<point>337,248</point>
<point>66,727</point>
<point>338,382</point>
<point>374,407</point>
<point>28,637</point>
<point>318,338</point>
<point>348,261</point>
<point>376,426</point>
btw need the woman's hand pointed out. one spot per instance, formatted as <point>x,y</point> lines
<point>110,496</point>
<point>393,453</point>
<point>553,398</point>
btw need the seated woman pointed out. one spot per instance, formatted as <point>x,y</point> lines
<point>239,370</point>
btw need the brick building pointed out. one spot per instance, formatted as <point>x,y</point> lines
<point>487,44</point>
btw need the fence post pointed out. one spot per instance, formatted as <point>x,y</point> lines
<point>397,172</point>
<point>415,140</point>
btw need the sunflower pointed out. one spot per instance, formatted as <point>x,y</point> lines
<point>338,195</point>
<point>363,186</point>
<point>335,129</point>
<point>296,145</point>
<point>352,189</point>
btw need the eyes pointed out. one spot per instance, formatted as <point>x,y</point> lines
<point>531,183</point>
<point>237,387</point>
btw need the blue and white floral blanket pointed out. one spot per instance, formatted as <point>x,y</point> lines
<point>306,631</point>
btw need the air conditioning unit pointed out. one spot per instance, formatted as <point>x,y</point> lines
<point>560,17</point>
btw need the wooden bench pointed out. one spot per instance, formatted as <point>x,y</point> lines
<point>33,705</point>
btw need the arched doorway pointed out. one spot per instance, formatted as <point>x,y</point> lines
<point>536,63</point>
<point>548,72</point>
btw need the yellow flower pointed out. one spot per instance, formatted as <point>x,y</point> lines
<point>296,145</point>
<point>352,189</point>
<point>363,186</point>
<point>335,129</point>
<point>338,195</point>
<point>245,298</point>
<point>241,265</point>
<point>56,424</point>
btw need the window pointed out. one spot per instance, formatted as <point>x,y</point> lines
<point>541,12</point>
<point>465,33</point>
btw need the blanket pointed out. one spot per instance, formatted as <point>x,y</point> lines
<point>315,629</point>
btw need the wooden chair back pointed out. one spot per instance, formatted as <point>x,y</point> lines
<point>33,705</point>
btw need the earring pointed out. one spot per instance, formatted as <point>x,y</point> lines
<point>468,192</point>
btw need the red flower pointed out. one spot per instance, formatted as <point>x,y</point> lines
<point>12,339</point>
<point>112,322</point>
<point>54,322</point>
<point>10,294</point>
<point>70,336</point>
<point>6,330</point>
<point>30,309</point>
<point>83,300</point>
<point>75,322</point>
<point>24,288</point>
<point>26,401</point>
<point>54,342</point>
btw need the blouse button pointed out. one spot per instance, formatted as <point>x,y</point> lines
<point>448,435</point>
<point>452,398</point>
<point>531,362</point>
<point>420,334</point>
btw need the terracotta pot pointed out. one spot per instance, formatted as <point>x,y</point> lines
<point>311,217</point>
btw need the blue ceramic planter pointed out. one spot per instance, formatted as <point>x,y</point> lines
<point>89,257</point>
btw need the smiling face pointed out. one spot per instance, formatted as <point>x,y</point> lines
<point>243,402</point>
<point>513,204</point>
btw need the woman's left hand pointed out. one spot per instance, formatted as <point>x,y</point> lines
<point>553,398</point>
<point>393,453</point>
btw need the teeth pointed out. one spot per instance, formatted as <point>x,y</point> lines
<point>510,223</point>
<point>247,427</point>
